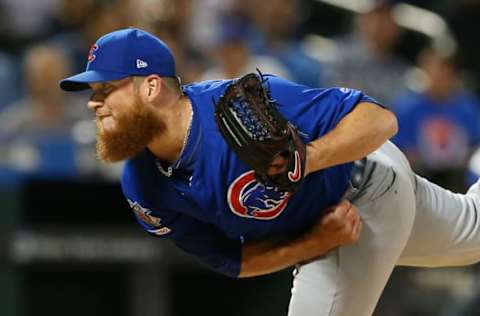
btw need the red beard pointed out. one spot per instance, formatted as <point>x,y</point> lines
<point>131,135</point>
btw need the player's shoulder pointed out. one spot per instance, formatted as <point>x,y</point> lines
<point>287,92</point>
<point>279,85</point>
<point>203,95</point>
<point>283,85</point>
<point>206,87</point>
<point>218,86</point>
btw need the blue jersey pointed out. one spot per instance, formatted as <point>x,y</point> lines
<point>209,202</point>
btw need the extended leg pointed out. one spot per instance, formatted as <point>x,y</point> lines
<point>447,227</point>
<point>350,280</point>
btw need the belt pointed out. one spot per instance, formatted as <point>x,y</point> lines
<point>357,173</point>
<point>361,173</point>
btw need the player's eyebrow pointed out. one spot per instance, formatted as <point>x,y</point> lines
<point>102,86</point>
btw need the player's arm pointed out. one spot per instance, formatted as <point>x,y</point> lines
<point>204,241</point>
<point>340,226</point>
<point>358,134</point>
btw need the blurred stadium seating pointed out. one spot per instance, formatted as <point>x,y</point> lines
<point>69,244</point>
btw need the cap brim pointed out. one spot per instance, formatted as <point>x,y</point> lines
<point>81,81</point>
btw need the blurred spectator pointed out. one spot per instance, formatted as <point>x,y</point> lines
<point>203,25</point>
<point>34,15</point>
<point>275,34</point>
<point>9,89</point>
<point>463,18</point>
<point>169,20</point>
<point>100,17</point>
<point>370,49</point>
<point>439,126</point>
<point>70,15</point>
<point>233,56</point>
<point>9,82</point>
<point>35,132</point>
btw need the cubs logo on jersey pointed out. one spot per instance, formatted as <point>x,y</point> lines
<point>249,198</point>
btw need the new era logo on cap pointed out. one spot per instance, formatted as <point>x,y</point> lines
<point>141,64</point>
<point>121,54</point>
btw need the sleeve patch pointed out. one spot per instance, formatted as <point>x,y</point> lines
<point>152,224</point>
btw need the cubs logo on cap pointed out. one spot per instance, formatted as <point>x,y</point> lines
<point>91,53</point>
<point>120,54</point>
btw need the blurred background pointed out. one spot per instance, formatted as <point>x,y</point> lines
<point>69,244</point>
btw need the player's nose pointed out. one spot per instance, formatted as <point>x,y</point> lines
<point>94,105</point>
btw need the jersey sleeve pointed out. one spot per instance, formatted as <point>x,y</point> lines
<point>204,241</point>
<point>210,245</point>
<point>333,104</point>
<point>315,111</point>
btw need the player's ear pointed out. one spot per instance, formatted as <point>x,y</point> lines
<point>152,87</point>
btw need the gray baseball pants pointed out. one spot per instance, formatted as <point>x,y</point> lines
<point>407,220</point>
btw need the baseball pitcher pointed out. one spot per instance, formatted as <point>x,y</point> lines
<point>254,175</point>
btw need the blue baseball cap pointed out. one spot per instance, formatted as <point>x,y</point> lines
<point>120,54</point>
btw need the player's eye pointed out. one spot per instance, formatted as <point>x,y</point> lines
<point>102,93</point>
<point>107,90</point>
